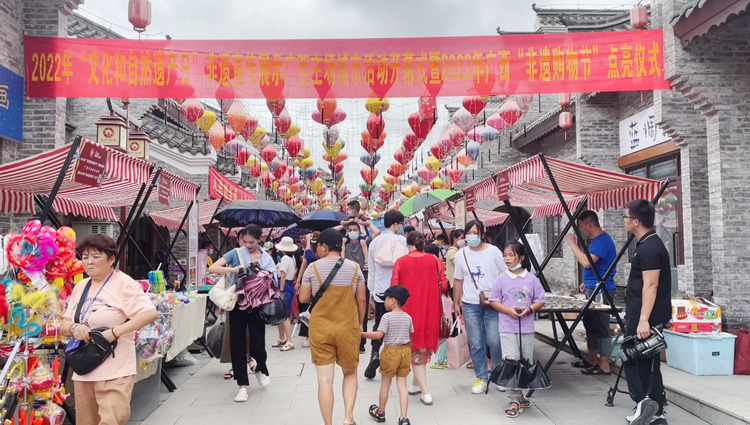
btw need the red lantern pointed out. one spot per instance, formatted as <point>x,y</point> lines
<point>242,157</point>
<point>474,104</point>
<point>279,173</point>
<point>255,171</point>
<point>368,174</point>
<point>192,109</point>
<point>510,112</point>
<point>420,129</point>
<point>139,14</point>
<point>267,179</point>
<point>411,143</point>
<point>455,175</point>
<point>638,17</point>
<point>566,121</point>
<point>439,151</point>
<point>293,145</point>
<point>375,125</point>
<point>268,154</point>
<point>250,125</point>
<point>283,122</point>
<point>565,99</point>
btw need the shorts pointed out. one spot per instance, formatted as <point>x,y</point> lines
<point>288,295</point>
<point>340,347</point>
<point>421,357</point>
<point>395,360</point>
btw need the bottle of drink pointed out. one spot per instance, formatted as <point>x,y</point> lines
<point>600,297</point>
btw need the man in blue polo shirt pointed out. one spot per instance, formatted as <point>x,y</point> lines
<point>603,253</point>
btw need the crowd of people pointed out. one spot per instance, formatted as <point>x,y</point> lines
<point>345,277</point>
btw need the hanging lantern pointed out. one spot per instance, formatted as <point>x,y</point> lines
<point>565,99</point>
<point>237,117</point>
<point>524,102</point>
<point>139,14</point>
<point>192,109</point>
<point>206,121</point>
<point>293,145</point>
<point>276,106</point>
<point>474,104</point>
<point>638,17</point>
<point>566,121</point>
<point>225,97</point>
<point>243,156</point>
<point>217,136</point>
<point>268,153</point>
<point>283,122</point>
<point>510,112</point>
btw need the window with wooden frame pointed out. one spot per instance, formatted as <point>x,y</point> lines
<point>554,227</point>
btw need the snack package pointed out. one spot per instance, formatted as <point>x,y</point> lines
<point>696,315</point>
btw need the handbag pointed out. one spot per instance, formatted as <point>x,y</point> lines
<point>741,351</point>
<point>83,357</point>
<point>223,293</point>
<point>274,312</point>
<point>445,323</point>
<point>484,296</point>
<point>457,349</point>
<point>304,317</point>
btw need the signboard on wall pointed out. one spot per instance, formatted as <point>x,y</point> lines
<point>460,211</point>
<point>193,227</point>
<point>91,165</point>
<point>503,187</point>
<point>639,132</point>
<point>11,104</point>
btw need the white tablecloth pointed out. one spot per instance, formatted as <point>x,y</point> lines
<point>187,322</point>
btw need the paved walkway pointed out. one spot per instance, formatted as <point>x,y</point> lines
<point>207,399</point>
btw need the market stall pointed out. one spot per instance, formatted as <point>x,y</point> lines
<point>552,187</point>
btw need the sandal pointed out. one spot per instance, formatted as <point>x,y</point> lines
<point>513,412</point>
<point>404,421</point>
<point>229,375</point>
<point>596,370</point>
<point>525,403</point>
<point>470,365</point>
<point>582,364</point>
<point>287,347</point>
<point>438,366</point>
<point>279,344</point>
<point>375,413</point>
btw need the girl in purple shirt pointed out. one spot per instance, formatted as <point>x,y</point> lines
<point>517,294</point>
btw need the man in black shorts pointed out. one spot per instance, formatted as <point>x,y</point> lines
<point>647,304</point>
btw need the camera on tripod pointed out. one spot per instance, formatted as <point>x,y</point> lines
<point>643,349</point>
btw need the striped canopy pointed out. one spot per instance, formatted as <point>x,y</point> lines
<point>487,217</point>
<point>532,188</point>
<point>172,217</point>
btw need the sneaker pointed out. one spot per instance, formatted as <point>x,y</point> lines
<point>438,366</point>
<point>426,399</point>
<point>501,389</point>
<point>306,343</point>
<point>644,412</point>
<point>414,390</point>
<point>263,380</point>
<point>479,387</point>
<point>659,419</point>
<point>241,396</point>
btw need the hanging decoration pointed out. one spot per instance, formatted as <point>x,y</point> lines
<point>237,117</point>
<point>206,121</point>
<point>192,109</point>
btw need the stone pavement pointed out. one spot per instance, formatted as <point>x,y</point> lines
<point>207,399</point>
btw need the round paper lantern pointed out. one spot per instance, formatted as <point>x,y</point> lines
<point>377,106</point>
<point>439,151</point>
<point>463,119</point>
<point>566,121</point>
<point>193,110</point>
<point>510,112</point>
<point>266,179</point>
<point>564,99</point>
<point>283,122</point>
<point>306,163</point>
<point>474,104</point>
<point>368,174</point>
<point>331,135</point>
<point>217,136</point>
<point>268,153</point>
<point>255,171</point>
<point>251,124</point>
<point>497,122</point>
<point>242,157</point>
<point>375,125</point>
<point>305,153</point>
<point>455,134</point>
<point>473,149</point>
<point>293,145</point>
<point>294,130</point>
<point>524,102</point>
<point>237,117</point>
<point>370,160</point>
<point>257,136</point>
<point>341,157</point>
<point>334,150</point>
<point>425,174</point>
<point>326,107</point>
<point>639,17</point>
<point>233,147</point>
<point>273,165</point>
<point>225,97</point>
<point>139,14</point>
<point>252,161</point>
<point>432,164</point>
<point>420,129</point>
<point>206,121</point>
<point>265,141</point>
<point>463,159</point>
<point>411,143</point>
<point>437,183</point>
<point>276,106</point>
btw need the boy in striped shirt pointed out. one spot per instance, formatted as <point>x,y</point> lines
<point>395,328</point>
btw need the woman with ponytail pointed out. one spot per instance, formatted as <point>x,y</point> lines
<point>424,276</point>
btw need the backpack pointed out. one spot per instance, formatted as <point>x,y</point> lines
<point>388,252</point>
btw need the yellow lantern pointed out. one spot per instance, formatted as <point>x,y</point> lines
<point>432,164</point>
<point>306,163</point>
<point>252,161</point>
<point>257,136</point>
<point>275,185</point>
<point>263,167</point>
<point>306,153</point>
<point>293,131</point>
<point>334,150</point>
<point>206,121</point>
<point>377,106</point>
<point>437,183</point>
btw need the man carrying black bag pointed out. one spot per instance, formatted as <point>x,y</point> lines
<point>647,304</point>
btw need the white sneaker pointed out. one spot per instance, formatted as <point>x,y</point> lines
<point>426,399</point>
<point>663,417</point>
<point>644,412</point>
<point>479,387</point>
<point>501,389</point>
<point>241,396</point>
<point>263,380</point>
<point>414,390</point>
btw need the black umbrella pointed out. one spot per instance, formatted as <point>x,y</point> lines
<point>321,220</point>
<point>262,213</point>
<point>520,374</point>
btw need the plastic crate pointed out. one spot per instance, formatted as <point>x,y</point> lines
<point>701,354</point>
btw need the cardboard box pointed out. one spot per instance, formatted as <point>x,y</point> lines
<point>696,316</point>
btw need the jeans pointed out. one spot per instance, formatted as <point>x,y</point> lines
<point>639,372</point>
<point>598,335</point>
<point>482,331</point>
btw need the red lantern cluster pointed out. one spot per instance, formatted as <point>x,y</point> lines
<point>566,118</point>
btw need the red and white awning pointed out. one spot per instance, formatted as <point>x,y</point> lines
<point>21,180</point>
<point>531,187</point>
<point>172,217</point>
<point>487,217</point>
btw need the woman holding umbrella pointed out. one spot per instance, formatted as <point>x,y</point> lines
<point>249,319</point>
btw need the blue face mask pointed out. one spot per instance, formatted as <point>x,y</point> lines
<point>514,268</point>
<point>473,240</point>
<point>353,235</point>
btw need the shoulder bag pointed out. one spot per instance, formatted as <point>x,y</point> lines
<point>445,323</point>
<point>83,357</point>
<point>484,296</point>
<point>223,293</point>
<point>305,317</point>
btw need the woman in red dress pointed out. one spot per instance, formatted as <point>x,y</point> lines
<point>424,276</point>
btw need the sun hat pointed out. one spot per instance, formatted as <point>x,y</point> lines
<point>286,245</point>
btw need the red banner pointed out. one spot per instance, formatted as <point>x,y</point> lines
<point>219,185</point>
<point>398,67</point>
<point>503,187</point>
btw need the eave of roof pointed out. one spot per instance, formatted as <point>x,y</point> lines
<point>698,17</point>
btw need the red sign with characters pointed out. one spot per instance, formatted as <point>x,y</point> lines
<point>361,68</point>
<point>471,200</point>
<point>219,185</point>
<point>91,165</point>
<point>503,187</point>
<point>164,189</point>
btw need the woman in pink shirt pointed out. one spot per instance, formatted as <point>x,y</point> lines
<point>113,300</point>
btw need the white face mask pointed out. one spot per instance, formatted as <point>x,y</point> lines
<point>473,240</point>
<point>516,267</point>
<point>354,235</point>
<point>461,243</point>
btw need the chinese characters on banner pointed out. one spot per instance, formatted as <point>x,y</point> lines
<point>164,189</point>
<point>503,187</point>
<point>471,200</point>
<point>91,164</point>
<point>219,185</point>
<point>639,132</point>
<point>406,67</point>
<point>11,104</point>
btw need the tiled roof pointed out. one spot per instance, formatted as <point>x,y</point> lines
<point>81,27</point>
<point>708,14</point>
<point>174,137</point>
<point>550,20</point>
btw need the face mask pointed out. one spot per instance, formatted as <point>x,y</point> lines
<point>514,268</point>
<point>461,243</point>
<point>210,252</point>
<point>473,240</point>
<point>354,235</point>
<point>351,214</point>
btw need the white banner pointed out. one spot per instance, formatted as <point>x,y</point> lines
<point>639,132</point>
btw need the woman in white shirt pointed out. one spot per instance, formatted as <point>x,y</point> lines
<point>477,267</point>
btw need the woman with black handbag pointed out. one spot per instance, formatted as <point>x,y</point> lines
<point>252,259</point>
<point>103,313</point>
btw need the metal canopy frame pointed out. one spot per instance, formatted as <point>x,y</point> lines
<point>572,218</point>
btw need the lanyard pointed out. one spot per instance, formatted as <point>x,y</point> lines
<point>86,310</point>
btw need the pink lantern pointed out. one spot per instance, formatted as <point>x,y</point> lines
<point>497,122</point>
<point>242,157</point>
<point>283,122</point>
<point>510,112</point>
<point>267,179</point>
<point>237,117</point>
<point>268,153</point>
<point>638,17</point>
<point>293,145</point>
<point>420,129</point>
<point>439,151</point>
<point>411,143</point>
<point>225,97</point>
<point>139,14</point>
<point>566,121</point>
<point>276,106</point>
<point>192,109</point>
<point>524,101</point>
<point>250,125</point>
<point>425,174</point>
<point>565,99</point>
